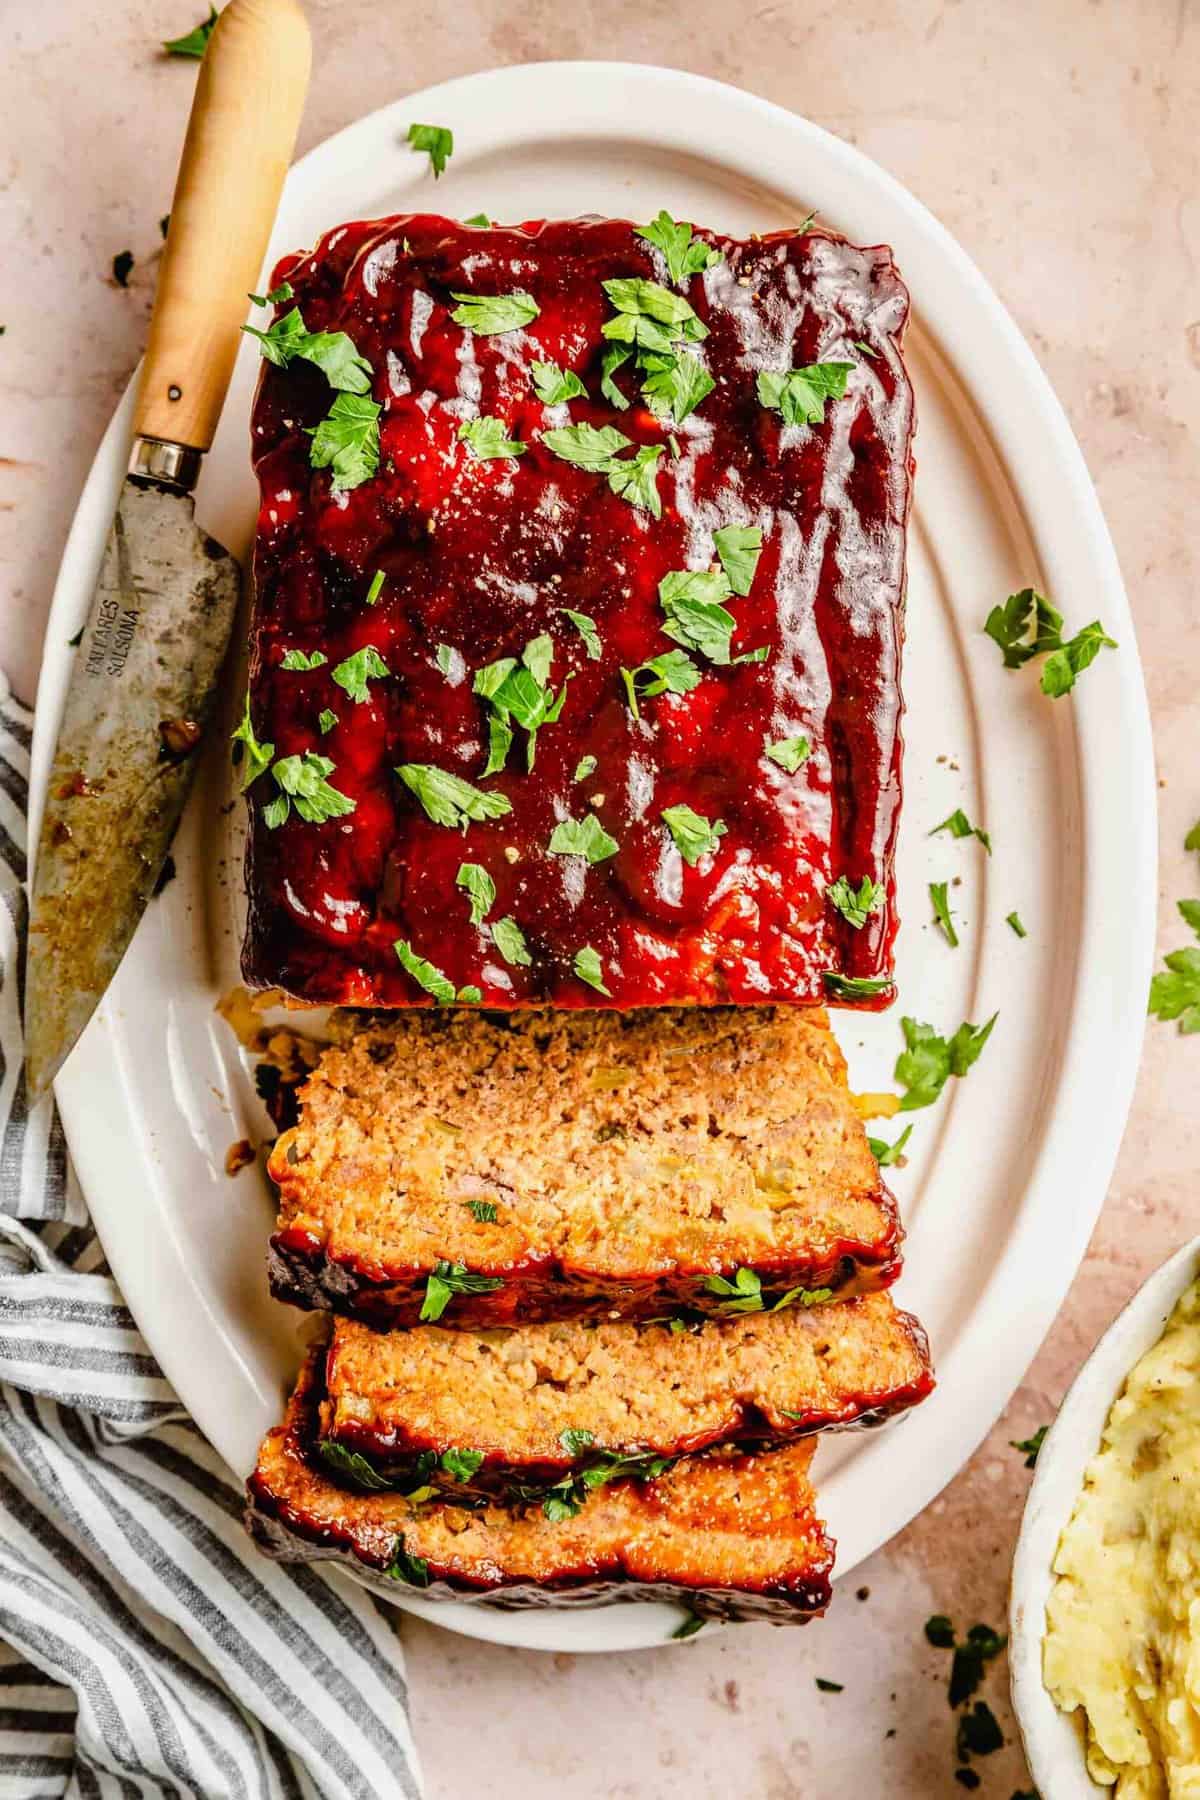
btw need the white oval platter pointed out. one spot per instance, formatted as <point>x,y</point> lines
<point>1006,1176</point>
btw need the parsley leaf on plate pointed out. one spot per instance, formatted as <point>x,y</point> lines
<point>585,625</point>
<point>739,548</point>
<point>582,837</point>
<point>447,798</point>
<point>889,1155</point>
<point>448,1279</point>
<point>304,660</point>
<point>333,352</point>
<point>1029,625</point>
<point>694,835</point>
<point>478,219</point>
<point>256,757</point>
<point>589,968</point>
<point>122,267</point>
<point>673,672</point>
<point>355,671</point>
<point>347,441</point>
<point>855,906</point>
<point>959,826</point>
<point>691,1625</point>
<point>929,1060</point>
<point>1078,653</point>
<point>799,395</point>
<point>487,437</point>
<point>480,889</point>
<point>855,987</point>
<point>685,255</point>
<point>488,315</point>
<point>509,940</point>
<point>195,42</point>
<point>431,978</point>
<point>1030,1446</point>
<point>789,753</point>
<point>436,140</point>
<point>939,897</point>
<point>553,385</point>
<point>1192,840</point>
<point>302,783</point>
<point>276,297</point>
<point>1013,921</point>
<point>830,1687</point>
<point>1175,994</point>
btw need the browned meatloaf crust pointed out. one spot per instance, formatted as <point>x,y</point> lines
<point>568,1406</point>
<point>572,1163</point>
<point>734,1536</point>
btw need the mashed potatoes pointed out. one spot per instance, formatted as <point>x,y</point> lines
<point>1123,1619</point>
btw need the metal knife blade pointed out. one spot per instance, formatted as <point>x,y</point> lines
<point>140,696</point>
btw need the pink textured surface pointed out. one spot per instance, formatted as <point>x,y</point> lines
<point>1058,144</point>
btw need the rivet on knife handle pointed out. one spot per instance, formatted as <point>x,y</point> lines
<point>249,96</point>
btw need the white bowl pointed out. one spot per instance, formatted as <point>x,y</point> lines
<point>1053,1741</point>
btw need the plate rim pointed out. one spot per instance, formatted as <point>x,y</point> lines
<point>551,102</point>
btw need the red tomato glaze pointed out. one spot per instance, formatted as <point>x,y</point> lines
<point>483,556</point>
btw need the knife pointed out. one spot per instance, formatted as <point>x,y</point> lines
<point>146,669</point>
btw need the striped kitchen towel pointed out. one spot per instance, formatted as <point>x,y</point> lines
<point>145,1646</point>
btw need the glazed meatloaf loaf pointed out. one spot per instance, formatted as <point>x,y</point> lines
<point>735,1536</point>
<point>575,657</point>
<point>554,1411</point>
<point>484,1169</point>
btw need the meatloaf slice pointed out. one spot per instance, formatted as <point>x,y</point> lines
<point>560,1409</point>
<point>484,1169</point>
<point>734,1536</point>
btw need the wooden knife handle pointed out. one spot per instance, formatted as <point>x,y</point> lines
<point>249,97</point>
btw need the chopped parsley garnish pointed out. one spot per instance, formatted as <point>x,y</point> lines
<point>585,625</point>
<point>355,671</point>
<point>799,395</point>
<point>649,315</point>
<point>691,1625</point>
<point>482,1211</point>
<point>488,315</point>
<point>649,323</point>
<point>789,753</point>
<point>855,987</point>
<point>195,43</point>
<point>303,784</point>
<point>437,142</point>
<point>597,449</point>
<point>553,386</point>
<point>352,1465</point>
<point>1192,840</point>
<point>1029,625</point>
<point>1013,920</point>
<point>589,968</point>
<point>478,219</point>
<point>940,1632</point>
<point>448,799</point>
<point>694,835</point>
<point>959,826</point>
<point>520,691</point>
<point>403,1567</point>
<point>444,658</point>
<point>448,1279</point>
<point>887,1155</point>
<point>332,352</point>
<point>576,1440</point>
<point>347,441</point>
<point>326,720</point>
<point>684,254</point>
<point>978,1732</point>
<point>461,1464</point>
<point>431,978</point>
<point>939,898</point>
<point>855,905</point>
<point>487,437</point>
<point>691,602</point>
<point>1176,994</point>
<point>256,757</point>
<point>122,267</point>
<point>480,889</point>
<point>635,478</point>
<point>509,940</point>
<point>1030,1446</point>
<point>980,1646</point>
<point>676,382</point>
<point>584,767</point>
<point>582,837</point>
<point>614,358</point>
<point>672,673</point>
<point>739,548</point>
<point>376,587</point>
<point>744,1294</point>
<point>276,297</point>
<point>830,1687</point>
<point>929,1060</point>
<point>865,349</point>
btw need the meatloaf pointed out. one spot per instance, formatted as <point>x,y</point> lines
<point>735,1536</point>
<point>555,1411</point>
<point>579,577</point>
<point>483,1169</point>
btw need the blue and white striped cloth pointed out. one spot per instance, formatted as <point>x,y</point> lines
<point>146,1647</point>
